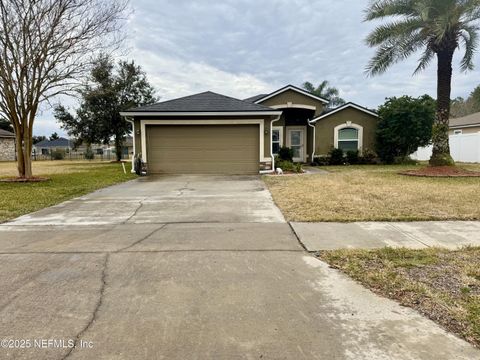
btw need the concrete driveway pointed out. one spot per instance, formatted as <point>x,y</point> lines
<point>190,267</point>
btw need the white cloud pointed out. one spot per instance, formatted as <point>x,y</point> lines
<point>46,126</point>
<point>274,43</point>
<point>175,78</point>
<point>243,47</point>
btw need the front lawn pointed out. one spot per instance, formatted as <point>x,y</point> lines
<point>67,180</point>
<point>443,285</point>
<point>375,193</point>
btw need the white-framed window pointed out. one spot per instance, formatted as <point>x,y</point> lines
<point>277,138</point>
<point>457,132</point>
<point>348,137</point>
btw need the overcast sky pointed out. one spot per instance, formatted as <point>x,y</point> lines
<point>244,47</point>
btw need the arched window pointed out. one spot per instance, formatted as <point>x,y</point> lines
<point>348,137</point>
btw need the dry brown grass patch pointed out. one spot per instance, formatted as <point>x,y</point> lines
<point>49,167</point>
<point>375,193</point>
<point>443,285</point>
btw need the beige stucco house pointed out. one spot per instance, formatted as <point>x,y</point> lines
<point>469,124</point>
<point>7,145</point>
<point>213,133</point>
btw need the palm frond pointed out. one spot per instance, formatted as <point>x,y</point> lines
<point>424,60</point>
<point>321,88</point>
<point>470,5</point>
<point>471,9</point>
<point>330,92</point>
<point>469,36</point>
<point>308,86</point>
<point>393,51</point>
<point>379,9</point>
<point>394,30</point>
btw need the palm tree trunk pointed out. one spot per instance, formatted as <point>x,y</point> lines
<point>441,148</point>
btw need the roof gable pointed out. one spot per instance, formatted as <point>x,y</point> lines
<point>206,102</point>
<point>343,107</point>
<point>260,99</point>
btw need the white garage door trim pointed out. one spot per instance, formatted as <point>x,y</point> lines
<point>260,122</point>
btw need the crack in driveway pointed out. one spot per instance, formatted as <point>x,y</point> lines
<point>140,205</point>
<point>95,310</point>
<point>182,190</point>
<point>103,286</point>
<point>140,240</point>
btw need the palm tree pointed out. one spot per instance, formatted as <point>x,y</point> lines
<point>325,91</point>
<point>438,28</point>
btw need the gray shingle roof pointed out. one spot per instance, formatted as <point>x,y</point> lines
<point>255,98</point>
<point>203,102</point>
<point>472,119</point>
<point>61,142</point>
<point>6,134</point>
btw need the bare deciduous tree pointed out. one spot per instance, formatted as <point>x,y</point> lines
<point>46,46</point>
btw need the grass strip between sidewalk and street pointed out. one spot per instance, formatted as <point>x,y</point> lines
<point>443,285</point>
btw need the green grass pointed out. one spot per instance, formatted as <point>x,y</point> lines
<point>442,284</point>
<point>67,180</point>
<point>375,193</point>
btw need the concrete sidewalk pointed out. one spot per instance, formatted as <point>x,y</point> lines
<point>370,235</point>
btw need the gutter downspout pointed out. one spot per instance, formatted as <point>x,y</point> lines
<point>271,148</point>
<point>131,121</point>
<point>313,149</point>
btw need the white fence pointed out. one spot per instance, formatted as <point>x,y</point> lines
<point>463,148</point>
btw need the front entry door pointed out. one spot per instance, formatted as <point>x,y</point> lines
<point>296,142</point>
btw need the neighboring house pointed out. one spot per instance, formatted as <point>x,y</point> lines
<point>46,147</point>
<point>213,133</point>
<point>67,146</point>
<point>109,150</point>
<point>127,148</point>
<point>469,124</point>
<point>7,146</point>
<point>464,140</point>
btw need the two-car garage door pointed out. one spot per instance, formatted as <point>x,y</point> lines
<point>203,149</point>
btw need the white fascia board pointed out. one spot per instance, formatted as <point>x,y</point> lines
<point>248,113</point>
<point>306,93</point>
<point>343,108</point>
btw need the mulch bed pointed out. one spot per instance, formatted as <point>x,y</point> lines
<point>441,171</point>
<point>24,180</point>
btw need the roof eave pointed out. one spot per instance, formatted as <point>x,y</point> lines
<point>464,126</point>
<point>343,107</point>
<point>199,113</point>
